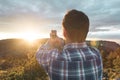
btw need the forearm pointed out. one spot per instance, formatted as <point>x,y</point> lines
<point>43,53</point>
<point>48,50</point>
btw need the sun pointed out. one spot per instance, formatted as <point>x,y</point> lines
<point>29,39</point>
<point>30,36</point>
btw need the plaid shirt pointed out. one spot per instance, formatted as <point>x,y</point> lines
<point>77,61</point>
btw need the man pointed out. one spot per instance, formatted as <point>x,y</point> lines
<point>76,60</point>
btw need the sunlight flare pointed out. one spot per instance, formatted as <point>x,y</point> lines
<point>30,36</point>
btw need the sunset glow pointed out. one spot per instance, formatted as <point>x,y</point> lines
<point>29,36</point>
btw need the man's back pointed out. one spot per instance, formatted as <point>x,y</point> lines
<point>77,61</point>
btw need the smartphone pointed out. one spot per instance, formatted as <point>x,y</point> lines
<point>53,34</point>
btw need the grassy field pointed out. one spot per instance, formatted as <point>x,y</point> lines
<point>17,59</point>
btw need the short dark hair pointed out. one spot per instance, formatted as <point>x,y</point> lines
<point>76,21</point>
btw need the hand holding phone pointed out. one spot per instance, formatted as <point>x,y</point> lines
<point>55,41</point>
<point>53,34</point>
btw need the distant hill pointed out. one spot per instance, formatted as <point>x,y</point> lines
<point>8,44</point>
<point>107,46</point>
<point>12,47</point>
<point>19,47</point>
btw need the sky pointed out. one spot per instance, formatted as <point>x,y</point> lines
<point>35,18</point>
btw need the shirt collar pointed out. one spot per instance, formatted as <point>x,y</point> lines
<point>75,45</point>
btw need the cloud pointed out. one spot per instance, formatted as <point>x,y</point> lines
<point>105,35</point>
<point>104,15</point>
